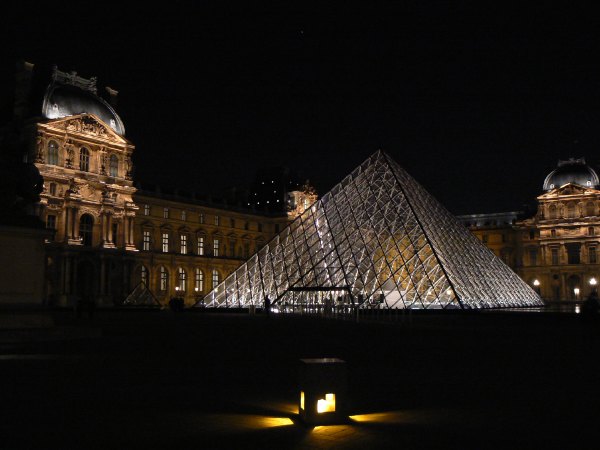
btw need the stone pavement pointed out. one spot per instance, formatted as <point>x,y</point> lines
<point>162,380</point>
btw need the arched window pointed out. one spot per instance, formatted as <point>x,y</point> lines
<point>114,166</point>
<point>84,159</point>
<point>181,279</point>
<point>552,212</point>
<point>199,281</point>
<point>215,278</point>
<point>86,225</point>
<point>164,279</point>
<point>53,153</point>
<point>589,209</point>
<point>144,275</point>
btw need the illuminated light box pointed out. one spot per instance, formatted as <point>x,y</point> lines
<point>323,389</point>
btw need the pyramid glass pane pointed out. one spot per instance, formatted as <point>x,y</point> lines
<point>377,236</point>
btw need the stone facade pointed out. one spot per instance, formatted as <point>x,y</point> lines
<point>556,249</point>
<point>108,237</point>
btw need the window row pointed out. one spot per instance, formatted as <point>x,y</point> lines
<point>167,214</point>
<point>185,246</point>
<point>182,282</point>
<point>573,254</point>
<point>84,159</point>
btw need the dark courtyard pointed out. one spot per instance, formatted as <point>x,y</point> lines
<point>157,379</point>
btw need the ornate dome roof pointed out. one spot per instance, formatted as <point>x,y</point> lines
<point>69,95</point>
<point>574,171</point>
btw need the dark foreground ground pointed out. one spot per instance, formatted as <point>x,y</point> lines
<point>191,380</point>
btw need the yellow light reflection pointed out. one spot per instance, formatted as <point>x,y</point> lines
<point>271,422</point>
<point>301,399</point>
<point>327,404</point>
<point>240,422</point>
<point>382,417</point>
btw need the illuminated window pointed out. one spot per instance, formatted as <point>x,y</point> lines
<point>215,278</point>
<point>183,244</point>
<point>592,255</point>
<point>301,399</point>
<point>201,218</point>
<point>114,166</point>
<point>326,404</point>
<point>165,242</point>
<point>199,281</point>
<point>200,245</point>
<point>183,215</point>
<point>181,279</point>
<point>84,159</point>
<point>86,225</point>
<point>144,275</point>
<point>164,279</point>
<point>53,153</point>
<point>165,213</point>
<point>51,221</point>
<point>146,210</point>
<point>215,247</point>
<point>146,240</point>
<point>52,188</point>
<point>217,220</point>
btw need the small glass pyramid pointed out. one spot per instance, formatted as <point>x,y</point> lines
<point>376,237</point>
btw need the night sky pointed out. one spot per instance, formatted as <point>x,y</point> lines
<point>477,103</point>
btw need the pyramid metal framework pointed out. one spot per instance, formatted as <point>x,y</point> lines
<point>378,237</point>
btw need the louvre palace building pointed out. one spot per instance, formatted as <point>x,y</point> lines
<point>556,250</point>
<point>111,241</point>
<point>108,238</point>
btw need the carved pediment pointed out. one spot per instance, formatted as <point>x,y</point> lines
<point>86,124</point>
<point>568,189</point>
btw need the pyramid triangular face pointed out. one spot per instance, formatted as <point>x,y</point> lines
<point>376,236</point>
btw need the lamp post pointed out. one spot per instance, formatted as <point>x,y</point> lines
<point>593,282</point>
<point>536,284</point>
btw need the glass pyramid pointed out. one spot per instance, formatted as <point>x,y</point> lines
<point>376,237</point>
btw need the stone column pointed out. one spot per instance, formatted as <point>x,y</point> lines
<point>75,224</point>
<point>67,223</point>
<point>110,236</point>
<point>131,224</point>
